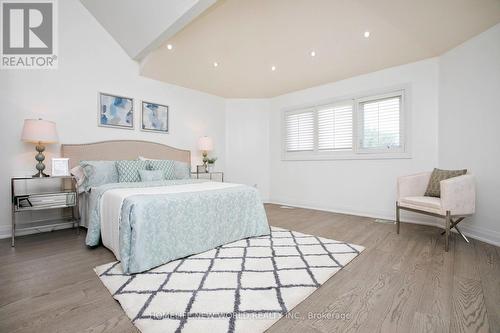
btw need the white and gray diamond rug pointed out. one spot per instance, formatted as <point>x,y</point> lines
<point>244,286</point>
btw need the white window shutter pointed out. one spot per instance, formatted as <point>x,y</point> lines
<point>380,123</point>
<point>335,128</point>
<point>299,131</point>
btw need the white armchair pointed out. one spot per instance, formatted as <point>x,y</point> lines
<point>457,201</point>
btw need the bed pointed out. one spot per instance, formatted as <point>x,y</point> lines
<point>149,223</point>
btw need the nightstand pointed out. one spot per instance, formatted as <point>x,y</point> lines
<point>28,200</point>
<point>209,175</point>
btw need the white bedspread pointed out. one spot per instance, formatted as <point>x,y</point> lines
<point>112,200</point>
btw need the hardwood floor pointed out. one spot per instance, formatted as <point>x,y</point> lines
<point>400,283</point>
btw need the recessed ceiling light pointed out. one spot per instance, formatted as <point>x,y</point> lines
<point>366,34</point>
<point>313,53</point>
<point>216,64</point>
<point>273,68</point>
<point>169,46</point>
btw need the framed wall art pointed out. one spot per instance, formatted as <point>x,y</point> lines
<point>116,111</point>
<point>154,117</point>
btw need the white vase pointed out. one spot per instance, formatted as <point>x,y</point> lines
<point>211,167</point>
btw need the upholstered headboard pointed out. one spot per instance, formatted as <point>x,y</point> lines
<point>122,150</point>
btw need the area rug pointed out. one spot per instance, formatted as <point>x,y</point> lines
<point>244,286</point>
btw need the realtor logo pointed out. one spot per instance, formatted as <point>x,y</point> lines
<point>28,34</point>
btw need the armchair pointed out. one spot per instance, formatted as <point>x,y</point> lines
<point>457,201</point>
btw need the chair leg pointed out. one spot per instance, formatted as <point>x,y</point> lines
<point>397,218</point>
<point>461,234</point>
<point>447,231</point>
<point>454,223</point>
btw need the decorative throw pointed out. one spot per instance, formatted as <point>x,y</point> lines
<point>433,188</point>
<point>128,171</point>
<point>167,166</point>
<point>244,286</point>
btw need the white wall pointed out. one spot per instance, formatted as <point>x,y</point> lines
<point>469,120</point>
<point>362,187</point>
<point>454,121</point>
<point>91,61</point>
<point>247,143</point>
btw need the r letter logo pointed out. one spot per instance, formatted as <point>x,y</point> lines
<point>29,34</point>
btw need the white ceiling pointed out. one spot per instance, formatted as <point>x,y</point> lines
<point>141,26</point>
<point>247,37</point>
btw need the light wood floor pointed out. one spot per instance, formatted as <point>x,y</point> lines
<point>404,283</point>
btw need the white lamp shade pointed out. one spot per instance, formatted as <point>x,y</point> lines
<point>39,130</point>
<point>205,143</point>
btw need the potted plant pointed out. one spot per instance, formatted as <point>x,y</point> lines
<point>210,163</point>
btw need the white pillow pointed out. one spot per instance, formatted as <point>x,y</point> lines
<point>80,177</point>
<point>142,158</point>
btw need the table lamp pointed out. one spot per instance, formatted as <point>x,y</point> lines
<point>205,144</point>
<point>40,132</point>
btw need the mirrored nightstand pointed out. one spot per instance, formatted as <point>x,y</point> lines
<point>28,200</point>
<point>214,175</point>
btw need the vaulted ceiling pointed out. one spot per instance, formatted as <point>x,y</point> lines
<point>141,26</point>
<point>246,38</point>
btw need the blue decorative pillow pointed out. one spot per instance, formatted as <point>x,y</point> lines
<point>150,175</point>
<point>182,170</point>
<point>128,171</point>
<point>167,166</point>
<point>98,173</point>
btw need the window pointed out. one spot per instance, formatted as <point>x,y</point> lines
<point>380,123</point>
<point>367,127</point>
<point>335,128</point>
<point>299,131</point>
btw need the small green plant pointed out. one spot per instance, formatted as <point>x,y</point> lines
<point>211,160</point>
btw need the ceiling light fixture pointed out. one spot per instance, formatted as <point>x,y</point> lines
<point>313,53</point>
<point>216,64</point>
<point>169,46</point>
<point>273,68</point>
<point>367,34</point>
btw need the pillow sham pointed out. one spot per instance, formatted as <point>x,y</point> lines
<point>182,170</point>
<point>167,166</point>
<point>434,188</point>
<point>150,175</point>
<point>98,173</point>
<point>128,171</point>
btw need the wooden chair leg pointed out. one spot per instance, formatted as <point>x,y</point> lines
<point>397,218</point>
<point>447,231</point>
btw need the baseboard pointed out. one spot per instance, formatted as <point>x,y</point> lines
<point>5,230</point>
<point>484,235</point>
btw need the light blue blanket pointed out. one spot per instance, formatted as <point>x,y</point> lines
<point>155,229</point>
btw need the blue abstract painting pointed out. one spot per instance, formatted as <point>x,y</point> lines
<point>154,117</point>
<point>116,111</point>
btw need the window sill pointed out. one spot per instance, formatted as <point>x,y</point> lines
<point>344,156</point>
